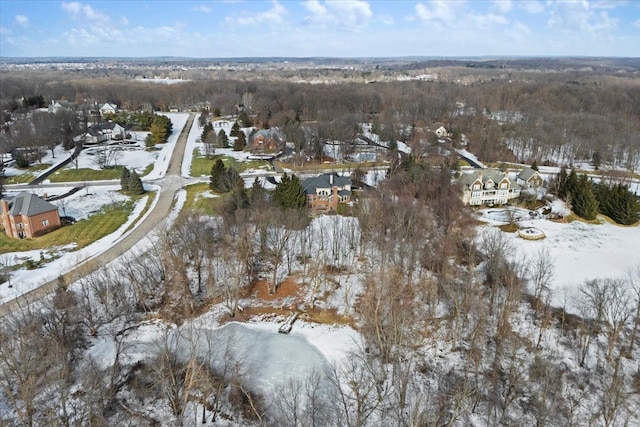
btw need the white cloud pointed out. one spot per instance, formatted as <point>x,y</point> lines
<point>532,6</point>
<point>4,31</point>
<point>438,11</point>
<point>275,15</point>
<point>636,23</point>
<point>202,8</point>
<point>502,6</point>
<point>580,16</point>
<point>22,20</point>
<point>350,15</point>
<point>83,11</point>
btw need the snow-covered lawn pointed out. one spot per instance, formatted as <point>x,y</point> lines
<point>581,251</point>
<point>80,205</point>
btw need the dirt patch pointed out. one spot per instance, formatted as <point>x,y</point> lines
<point>326,317</point>
<point>287,289</point>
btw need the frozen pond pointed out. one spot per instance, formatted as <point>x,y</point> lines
<point>266,359</point>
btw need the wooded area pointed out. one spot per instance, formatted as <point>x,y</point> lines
<point>453,330</point>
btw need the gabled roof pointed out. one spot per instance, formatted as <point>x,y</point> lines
<point>28,204</point>
<point>310,185</point>
<point>99,128</point>
<point>269,133</point>
<point>109,106</point>
<point>527,173</point>
<point>484,175</point>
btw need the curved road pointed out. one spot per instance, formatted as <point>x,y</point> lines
<point>169,184</point>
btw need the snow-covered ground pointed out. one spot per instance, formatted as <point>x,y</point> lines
<point>81,205</point>
<point>580,251</point>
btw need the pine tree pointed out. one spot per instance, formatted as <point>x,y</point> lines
<point>618,203</point>
<point>124,180</point>
<point>257,193</point>
<point>218,171</point>
<point>135,184</point>
<point>289,193</point>
<point>245,120</point>
<point>240,142</point>
<point>534,165</point>
<point>567,184</point>
<point>239,196</point>
<point>235,129</point>
<point>585,204</point>
<point>223,140</point>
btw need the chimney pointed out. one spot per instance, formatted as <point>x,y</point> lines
<point>331,178</point>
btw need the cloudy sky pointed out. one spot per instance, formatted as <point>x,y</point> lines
<point>338,28</point>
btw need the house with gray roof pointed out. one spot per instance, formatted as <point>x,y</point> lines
<point>267,141</point>
<point>27,215</point>
<point>487,187</point>
<point>529,178</point>
<point>102,133</point>
<point>324,192</point>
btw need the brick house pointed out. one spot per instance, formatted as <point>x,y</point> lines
<point>324,192</point>
<point>27,215</point>
<point>267,141</point>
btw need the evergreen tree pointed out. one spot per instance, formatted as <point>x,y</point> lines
<point>216,112</point>
<point>124,180</point>
<point>534,165</point>
<point>207,130</point>
<point>235,129</point>
<point>240,142</point>
<point>257,194</point>
<point>218,171</point>
<point>245,120</point>
<point>160,130</point>
<point>585,204</point>
<point>567,184</point>
<point>202,120</point>
<point>596,160</point>
<point>223,140</point>
<point>289,193</point>
<point>239,197</point>
<point>135,184</point>
<point>618,203</point>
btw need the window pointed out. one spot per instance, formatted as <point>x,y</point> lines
<point>19,225</point>
<point>45,222</point>
<point>503,185</point>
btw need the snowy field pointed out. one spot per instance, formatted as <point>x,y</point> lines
<point>580,251</point>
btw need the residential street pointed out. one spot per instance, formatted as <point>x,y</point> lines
<point>171,183</point>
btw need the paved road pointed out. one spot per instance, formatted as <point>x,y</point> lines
<point>171,183</point>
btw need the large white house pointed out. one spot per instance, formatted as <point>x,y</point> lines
<point>108,108</point>
<point>102,133</point>
<point>487,187</point>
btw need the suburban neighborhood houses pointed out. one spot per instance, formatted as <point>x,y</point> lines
<point>27,216</point>
<point>322,242</point>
